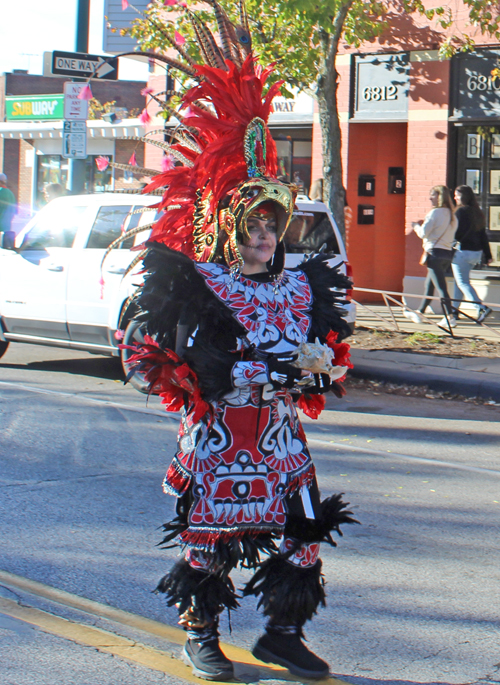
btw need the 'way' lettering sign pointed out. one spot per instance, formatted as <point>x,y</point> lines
<point>79,64</point>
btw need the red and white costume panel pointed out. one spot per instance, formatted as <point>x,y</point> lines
<point>241,466</point>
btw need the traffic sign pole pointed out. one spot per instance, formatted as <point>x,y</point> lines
<point>77,166</point>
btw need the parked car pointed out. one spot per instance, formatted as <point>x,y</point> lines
<point>56,290</point>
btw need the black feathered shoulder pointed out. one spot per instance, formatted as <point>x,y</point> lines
<point>328,285</point>
<point>174,292</point>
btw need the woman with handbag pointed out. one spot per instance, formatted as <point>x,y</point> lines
<point>438,234</point>
<point>472,244</point>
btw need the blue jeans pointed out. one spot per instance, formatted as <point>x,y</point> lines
<point>463,262</point>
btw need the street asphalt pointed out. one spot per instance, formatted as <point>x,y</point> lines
<point>412,591</point>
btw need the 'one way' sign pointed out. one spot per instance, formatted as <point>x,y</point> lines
<point>79,64</point>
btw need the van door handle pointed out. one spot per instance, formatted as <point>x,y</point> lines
<point>116,270</point>
<point>55,267</point>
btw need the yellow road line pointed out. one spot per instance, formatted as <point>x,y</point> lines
<point>102,640</point>
<point>116,644</point>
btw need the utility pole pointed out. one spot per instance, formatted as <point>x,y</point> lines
<point>77,166</point>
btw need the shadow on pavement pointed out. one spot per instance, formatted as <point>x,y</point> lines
<point>99,367</point>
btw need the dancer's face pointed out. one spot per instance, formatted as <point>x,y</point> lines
<point>259,249</point>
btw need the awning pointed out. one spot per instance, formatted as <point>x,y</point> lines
<point>96,128</point>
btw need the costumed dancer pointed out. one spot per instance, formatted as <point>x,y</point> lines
<point>235,341</point>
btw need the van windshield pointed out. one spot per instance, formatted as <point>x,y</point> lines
<point>309,231</point>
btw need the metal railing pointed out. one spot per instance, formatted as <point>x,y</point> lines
<point>389,298</point>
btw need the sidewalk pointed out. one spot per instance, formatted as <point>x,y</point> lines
<point>471,376</point>
<point>474,377</point>
<point>374,315</point>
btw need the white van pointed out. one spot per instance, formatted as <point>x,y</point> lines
<point>52,289</point>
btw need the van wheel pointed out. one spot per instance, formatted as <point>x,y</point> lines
<point>133,334</point>
<point>3,347</point>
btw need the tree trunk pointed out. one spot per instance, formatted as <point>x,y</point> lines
<point>333,187</point>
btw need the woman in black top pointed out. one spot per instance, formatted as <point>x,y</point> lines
<point>472,244</point>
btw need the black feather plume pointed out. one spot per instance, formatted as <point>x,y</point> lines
<point>333,514</point>
<point>327,309</point>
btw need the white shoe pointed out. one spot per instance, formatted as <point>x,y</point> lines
<point>413,316</point>
<point>452,322</point>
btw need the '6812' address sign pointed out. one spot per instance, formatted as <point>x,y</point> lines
<point>382,84</point>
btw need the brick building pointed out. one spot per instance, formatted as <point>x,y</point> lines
<point>31,136</point>
<point>411,121</point>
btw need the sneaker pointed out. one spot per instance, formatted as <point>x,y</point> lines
<point>289,651</point>
<point>413,316</point>
<point>207,660</point>
<point>483,313</point>
<point>452,322</point>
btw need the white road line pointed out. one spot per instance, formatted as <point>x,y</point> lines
<point>107,403</point>
<point>326,443</point>
<point>405,457</point>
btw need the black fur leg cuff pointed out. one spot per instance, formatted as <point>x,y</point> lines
<point>290,595</point>
<point>204,595</point>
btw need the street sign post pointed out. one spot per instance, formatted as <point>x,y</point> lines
<point>80,65</point>
<point>75,140</point>
<point>74,108</point>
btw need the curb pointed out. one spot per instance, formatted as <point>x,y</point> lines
<point>387,366</point>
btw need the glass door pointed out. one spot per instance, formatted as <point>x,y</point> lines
<point>478,166</point>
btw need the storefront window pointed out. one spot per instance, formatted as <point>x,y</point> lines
<point>284,149</point>
<point>55,169</point>
<point>294,161</point>
<point>478,166</point>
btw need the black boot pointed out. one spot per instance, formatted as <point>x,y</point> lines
<point>283,645</point>
<point>203,653</point>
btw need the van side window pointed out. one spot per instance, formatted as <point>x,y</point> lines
<point>109,225</point>
<point>54,227</point>
<point>308,232</point>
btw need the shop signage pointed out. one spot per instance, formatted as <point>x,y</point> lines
<point>74,140</point>
<point>477,92</point>
<point>299,104</point>
<point>80,65</point>
<point>382,86</point>
<point>34,107</point>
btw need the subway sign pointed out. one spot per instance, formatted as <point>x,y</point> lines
<point>34,107</point>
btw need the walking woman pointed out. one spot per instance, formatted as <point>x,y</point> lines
<point>472,244</point>
<point>237,341</point>
<point>438,234</point>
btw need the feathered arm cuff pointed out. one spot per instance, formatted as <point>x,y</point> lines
<point>168,376</point>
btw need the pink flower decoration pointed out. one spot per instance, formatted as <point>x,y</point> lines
<point>102,163</point>
<point>85,93</point>
<point>133,159</point>
<point>144,117</point>
<point>170,2</point>
<point>167,162</point>
<point>180,40</point>
<point>119,334</point>
<point>124,4</point>
<point>188,113</point>
<point>147,91</point>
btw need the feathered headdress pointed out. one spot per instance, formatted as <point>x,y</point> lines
<point>225,158</point>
